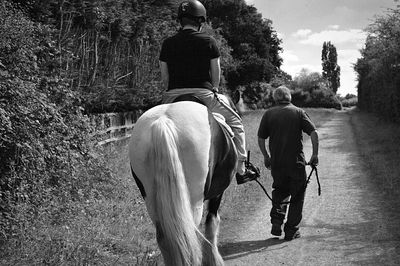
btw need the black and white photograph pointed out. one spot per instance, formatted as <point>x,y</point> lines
<point>199,132</point>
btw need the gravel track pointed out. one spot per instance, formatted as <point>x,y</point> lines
<point>351,223</point>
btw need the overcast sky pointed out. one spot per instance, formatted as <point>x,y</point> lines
<point>303,26</point>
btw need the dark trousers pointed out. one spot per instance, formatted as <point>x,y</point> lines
<point>288,185</point>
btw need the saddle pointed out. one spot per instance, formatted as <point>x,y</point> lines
<point>223,154</point>
<point>220,118</point>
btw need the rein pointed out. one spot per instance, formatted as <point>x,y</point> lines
<point>314,169</point>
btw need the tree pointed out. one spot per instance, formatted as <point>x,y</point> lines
<point>330,68</point>
<point>310,89</point>
<point>255,44</point>
<point>378,68</point>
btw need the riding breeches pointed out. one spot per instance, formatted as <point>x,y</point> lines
<point>218,106</point>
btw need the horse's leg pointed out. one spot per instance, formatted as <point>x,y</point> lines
<point>212,257</point>
<point>198,212</point>
<point>213,220</point>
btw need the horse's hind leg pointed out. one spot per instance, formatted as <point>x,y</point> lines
<point>211,233</point>
<point>213,220</point>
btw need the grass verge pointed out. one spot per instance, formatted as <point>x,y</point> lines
<point>379,145</point>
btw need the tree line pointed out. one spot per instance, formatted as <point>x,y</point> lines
<point>108,50</point>
<point>378,68</point>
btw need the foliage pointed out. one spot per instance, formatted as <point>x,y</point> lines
<point>330,68</point>
<point>52,178</point>
<point>108,50</point>
<point>378,68</point>
<point>310,89</point>
<point>254,42</point>
<point>349,100</point>
<point>258,95</point>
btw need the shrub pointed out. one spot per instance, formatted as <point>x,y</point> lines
<point>257,95</point>
<point>49,168</point>
<point>349,100</point>
<point>379,67</point>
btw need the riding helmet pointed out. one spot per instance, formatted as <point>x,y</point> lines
<point>192,9</point>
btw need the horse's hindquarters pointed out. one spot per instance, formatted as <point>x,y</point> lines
<point>192,124</point>
<point>170,152</point>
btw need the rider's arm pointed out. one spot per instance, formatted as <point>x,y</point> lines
<point>164,75</point>
<point>215,71</point>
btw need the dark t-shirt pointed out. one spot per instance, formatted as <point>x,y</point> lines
<point>284,124</point>
<point>188,54</point>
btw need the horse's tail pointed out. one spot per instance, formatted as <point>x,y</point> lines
<point>177,232</point>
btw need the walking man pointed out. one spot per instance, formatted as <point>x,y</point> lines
<point>283,124</point>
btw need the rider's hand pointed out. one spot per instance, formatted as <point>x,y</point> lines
<point>267,162</point>
<point>313,160</point>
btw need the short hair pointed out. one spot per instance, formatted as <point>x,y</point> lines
<point>282,93</point>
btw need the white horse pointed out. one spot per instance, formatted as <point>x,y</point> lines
<point>181,156</point>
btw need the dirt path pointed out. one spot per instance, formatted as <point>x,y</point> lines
<point>352,223</point>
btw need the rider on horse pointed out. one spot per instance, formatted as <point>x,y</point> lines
<point>190,64</point>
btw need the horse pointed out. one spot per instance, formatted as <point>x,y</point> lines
<point>181,157</point>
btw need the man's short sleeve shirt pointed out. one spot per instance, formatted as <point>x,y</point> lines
<point>283,125</point>
<point>188,55</point>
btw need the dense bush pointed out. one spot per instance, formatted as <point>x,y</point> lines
<point>379,67</point>
<point>310,89</point>
<point>50,172</point>
<point>257,95</point>
<point>321,98</point>
<point>349,100</point>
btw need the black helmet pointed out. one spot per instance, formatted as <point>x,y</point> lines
<point>192,9</point>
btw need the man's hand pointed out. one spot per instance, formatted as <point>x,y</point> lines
<point>313,160</point>
<point>267,162</point>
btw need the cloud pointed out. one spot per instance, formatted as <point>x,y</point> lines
<point>355,36</point>
<point>347,57</point>
<point>289,56</point>
<point>302,33</point>
<point>333,27</point>
<point>294,70</point>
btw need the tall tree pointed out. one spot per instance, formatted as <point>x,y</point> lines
<point>378,68</point>
<point>330,68</point>
<point>255,44</point>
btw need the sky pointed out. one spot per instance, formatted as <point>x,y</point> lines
<point>304,25</point>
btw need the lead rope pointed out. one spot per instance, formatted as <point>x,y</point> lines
<point>313,169</point>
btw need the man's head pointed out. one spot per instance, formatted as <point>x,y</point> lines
<point>191,12</point>
<point>282,94</point>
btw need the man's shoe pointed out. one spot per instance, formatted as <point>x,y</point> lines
<point>289,237</point>
<point>276,230</point>
<point>248,175</point>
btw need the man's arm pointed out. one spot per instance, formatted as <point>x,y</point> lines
<point>263,149</point>
<point>215,71</point>
<point>315,147</point>
<point>164,75</point>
